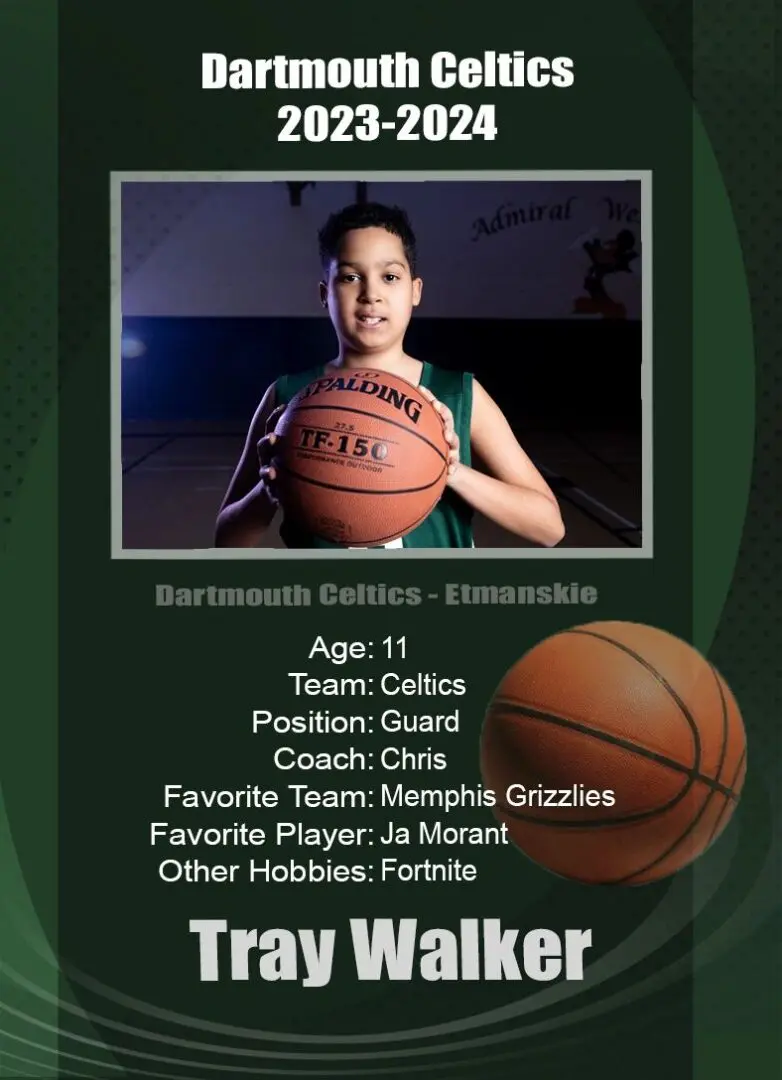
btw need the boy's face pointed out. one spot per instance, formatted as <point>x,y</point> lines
<point>370,292</point>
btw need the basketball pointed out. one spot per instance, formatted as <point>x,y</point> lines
<point>616,752</point>
<point>362,458</point>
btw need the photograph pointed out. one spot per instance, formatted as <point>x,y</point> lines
<point>406,363</point>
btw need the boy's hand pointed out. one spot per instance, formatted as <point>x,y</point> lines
<point>266,471</point>
<point>450,434</point>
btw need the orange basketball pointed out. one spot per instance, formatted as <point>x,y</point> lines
<point>362,458</point>
<point>617,753</point>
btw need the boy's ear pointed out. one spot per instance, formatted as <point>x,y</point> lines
<point>418,286</point>
<point>323,289</point>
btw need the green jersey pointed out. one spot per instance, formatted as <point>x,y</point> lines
<point>449,525</point>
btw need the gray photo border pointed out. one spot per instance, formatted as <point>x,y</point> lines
<point>116,179</point>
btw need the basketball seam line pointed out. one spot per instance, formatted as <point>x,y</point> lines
<point>374,416</point>
<point>721,814</point>
<point>627,819</point>
<point>672,847</point>
<point>355,434</point>
<point>725,725</point>
<point>662,681</point>
<point>714,786</point>
<point>646,814</point>
<point>615,740</point>
<point>357,491</point>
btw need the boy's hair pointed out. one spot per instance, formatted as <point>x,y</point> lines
<point>364,216</point>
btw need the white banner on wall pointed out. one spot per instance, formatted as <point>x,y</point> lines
<point>490,249</point>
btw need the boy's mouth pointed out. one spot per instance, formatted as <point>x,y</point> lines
<point>370,320</point>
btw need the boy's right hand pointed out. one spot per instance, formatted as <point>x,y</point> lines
<point>266,471</point>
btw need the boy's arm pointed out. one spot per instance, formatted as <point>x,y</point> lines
<point>248,509</point>
<point>515,496</point>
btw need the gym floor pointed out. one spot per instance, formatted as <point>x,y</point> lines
<point>174,482</point>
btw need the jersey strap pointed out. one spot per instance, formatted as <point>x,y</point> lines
<point>289,385</point>
<point>449,525</point>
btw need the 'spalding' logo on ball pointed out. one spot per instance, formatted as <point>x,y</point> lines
<point>360,384</point>
<point>361,458</point>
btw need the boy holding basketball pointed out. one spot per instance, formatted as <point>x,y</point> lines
<point>370,287</point>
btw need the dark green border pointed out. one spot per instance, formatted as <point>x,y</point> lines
<point>28,540</point>
<point>736,587</point>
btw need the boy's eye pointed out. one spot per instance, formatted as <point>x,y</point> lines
<point>349,277</point>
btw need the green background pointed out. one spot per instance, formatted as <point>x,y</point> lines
<point>106,698</point>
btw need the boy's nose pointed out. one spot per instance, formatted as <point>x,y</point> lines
<point>372,291</point>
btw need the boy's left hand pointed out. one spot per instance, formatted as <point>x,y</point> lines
<point>450,434</point>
